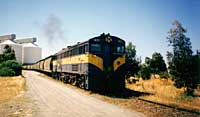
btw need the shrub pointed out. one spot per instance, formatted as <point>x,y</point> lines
<point>164,75</point>
<point>5,71</point>
<point>145,72</point>
<point>13,65</point>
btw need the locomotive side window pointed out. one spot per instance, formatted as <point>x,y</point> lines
<point>81,50</point>
<point>70,53</point>
<point>86,48</point>
<point>75,51</point>
<point>95,47</point>
<point>83,47</point>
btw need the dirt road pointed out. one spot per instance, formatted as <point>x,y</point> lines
<point>51,99</point>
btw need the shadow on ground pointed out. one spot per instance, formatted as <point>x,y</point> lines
<point>124,94</point>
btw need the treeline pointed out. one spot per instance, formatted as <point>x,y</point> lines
<point>183,65</point>
<point>8,64</point>
<point>154,65</point>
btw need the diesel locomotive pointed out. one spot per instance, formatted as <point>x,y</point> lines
<point>97,64</point>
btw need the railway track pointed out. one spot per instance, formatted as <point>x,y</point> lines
<point>172,107</point>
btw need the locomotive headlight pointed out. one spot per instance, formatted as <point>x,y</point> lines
<point>108,39</point>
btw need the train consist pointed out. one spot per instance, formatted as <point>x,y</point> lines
<point>96,64</point>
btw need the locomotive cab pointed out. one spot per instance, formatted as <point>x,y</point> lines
<point>112,52</point>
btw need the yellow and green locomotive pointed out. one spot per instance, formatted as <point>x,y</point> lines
<point>96,64</point>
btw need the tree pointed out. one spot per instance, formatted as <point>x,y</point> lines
<point>130,53</point>
<point>181,64</point>
<point>147,60</point>
<point>1,58</point>
<point>8,54</point>
<point>8,64</point>
<point>145,71</point>
<point>131,62</point>
<point>12,65</point>
<point>157,63</point>
<point>7,49</point>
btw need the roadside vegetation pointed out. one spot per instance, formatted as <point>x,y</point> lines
<point>163,91</point>
<point>179,83</point>
<point>10,87</point>
<point>11,81</point>
<point>8,64</point>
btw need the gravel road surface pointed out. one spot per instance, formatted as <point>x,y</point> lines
<point>51,99</point>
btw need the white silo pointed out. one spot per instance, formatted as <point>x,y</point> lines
<point>17,48</point>
<point>7,37</point>
<point>31,53</point>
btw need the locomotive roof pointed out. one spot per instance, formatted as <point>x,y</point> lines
<point>81,43</point>
<point>102,35</point>
<point>61,51</point>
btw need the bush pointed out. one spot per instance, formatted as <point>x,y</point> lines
<point>145,72</point>
<point>13,65</point>
<point>164,75</point>
<point>5,71</point>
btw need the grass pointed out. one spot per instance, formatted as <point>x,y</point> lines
<point>163,91</point>
<point>11,87</point>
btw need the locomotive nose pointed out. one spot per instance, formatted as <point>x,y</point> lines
<point>108,68</point>
<point>108,72</point>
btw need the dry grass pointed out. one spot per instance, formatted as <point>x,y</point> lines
<point>13,102</point>
<point>160,87</point>
<point>163,91</point>
<point>10,87</point>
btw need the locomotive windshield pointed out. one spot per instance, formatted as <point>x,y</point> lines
<point>120,49</point>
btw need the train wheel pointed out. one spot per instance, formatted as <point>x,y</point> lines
<point>82,82</point>
<point>53,74</point>
<point>58,76</point>
<point>73,80</point>
<point>66,79</point>
<point>86,82</point>
<point>62,77</point>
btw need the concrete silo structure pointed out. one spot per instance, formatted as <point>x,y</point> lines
<point>26,51</point>
<point>31,53</point>
<point>16,47</point>
<point>7,37</point>
<point>26,40</point>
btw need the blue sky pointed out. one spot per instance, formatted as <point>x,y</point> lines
<point>145,23</point>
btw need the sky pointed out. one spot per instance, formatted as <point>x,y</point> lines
<point>59,23</point>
